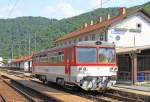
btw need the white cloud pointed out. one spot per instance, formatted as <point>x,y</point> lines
<point>96,3</point>
<point>60,10</point>
<point>7,12</point>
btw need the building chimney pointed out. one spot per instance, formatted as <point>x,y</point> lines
<point>122,10</point>
<point>85,25</point>
<point>108,16</point>
<point>92,22</point>
<point>99,19</point>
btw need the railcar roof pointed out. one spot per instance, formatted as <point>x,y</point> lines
<point>82,43</point>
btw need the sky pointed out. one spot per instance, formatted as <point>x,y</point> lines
<point>58,9</point>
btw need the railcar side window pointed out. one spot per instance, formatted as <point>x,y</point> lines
<point>37,59</point>
<point>72,54</point>
<point>86,55</point>
<point>57,57</point>
<point>43,58</point>
<point>60,57</point>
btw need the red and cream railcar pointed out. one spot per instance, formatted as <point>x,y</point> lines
<point>88,64</point>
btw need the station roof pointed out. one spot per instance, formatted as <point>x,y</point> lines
<point>23,58</point>
<point>99,25</point>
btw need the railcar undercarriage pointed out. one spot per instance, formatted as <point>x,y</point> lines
<point>96,83</point>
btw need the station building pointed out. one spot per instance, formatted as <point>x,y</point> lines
<point>130,31</point>
<point>23,63</point>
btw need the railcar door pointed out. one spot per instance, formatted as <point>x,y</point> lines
<point>68,63</point>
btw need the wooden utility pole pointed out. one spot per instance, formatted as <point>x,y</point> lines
<point>12,51</point>
<point>101,3</point>
<point>29,44</point>
<point>35,42</point>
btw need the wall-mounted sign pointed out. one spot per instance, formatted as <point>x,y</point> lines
<point>135,30</point>
<point>118,30</point>
<point>124,30</point>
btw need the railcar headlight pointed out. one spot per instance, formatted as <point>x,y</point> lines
<point>116,69</point>
<point>111,69</point>
<point>84,69</point>
<point>80,68</point>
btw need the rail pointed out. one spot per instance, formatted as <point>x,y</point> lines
<point>3,99</point>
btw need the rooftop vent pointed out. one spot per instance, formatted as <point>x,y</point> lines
<point>92,22</point>
<point>122,10</point>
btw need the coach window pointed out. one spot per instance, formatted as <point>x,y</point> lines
<point>37,59</point>
<point>40,58</point>
<point>54,59</point>
<point>49,58</point>
<point>44,58</point>
<point>61,57</point>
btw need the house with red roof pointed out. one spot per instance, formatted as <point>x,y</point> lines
<point>130,31</point>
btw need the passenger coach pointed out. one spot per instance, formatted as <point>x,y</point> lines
<point>88,64</point>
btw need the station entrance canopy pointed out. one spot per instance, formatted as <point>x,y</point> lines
<point>130,50</point>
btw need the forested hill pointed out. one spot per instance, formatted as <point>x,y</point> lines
<point>19,34</point>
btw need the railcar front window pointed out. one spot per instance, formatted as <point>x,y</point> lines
<point>106,55</point>
<point>86,55</point>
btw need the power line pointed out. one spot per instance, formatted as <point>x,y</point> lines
<point>12,9</point>
<point>9,2</point>
<point>100,5</point>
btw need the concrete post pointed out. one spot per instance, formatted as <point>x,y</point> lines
<point>134,68</point>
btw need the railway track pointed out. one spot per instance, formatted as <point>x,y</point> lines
<point>30,94</point>
<point>94,96</point>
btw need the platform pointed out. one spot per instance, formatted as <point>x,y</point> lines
<point>50,92</point>
<point>134,87</point>
<point>139,90</point>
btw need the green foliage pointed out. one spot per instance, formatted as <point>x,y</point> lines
<point>15,33</point>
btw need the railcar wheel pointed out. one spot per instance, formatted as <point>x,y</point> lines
<point>43,79</point>
<point>60,81</point>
